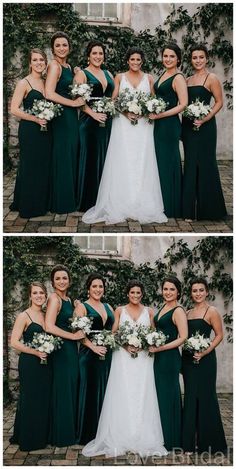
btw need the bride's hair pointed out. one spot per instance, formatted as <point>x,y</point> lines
<point>134,50</point>
<point>175,281</point>
<point>134,283</point>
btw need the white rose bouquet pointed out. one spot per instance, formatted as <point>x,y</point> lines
<point>105,338</point>
<point>156,338</point>
<point>128,334</point>
<point>45,343</point>
<point>105,105</point>
<point>155,106</point>
<point>197,110</point>
<point>44,109</point>
<point>196,343</point>
<point>81,324</point>
<point>83,91</point>
<point>131,101</point>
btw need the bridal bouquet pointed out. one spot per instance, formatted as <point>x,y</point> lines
<point>83,91</point>
<point>196,343</point>
<point>45,343</point>
<point>44,109</point>
<point>105,105</point>
<point>105,338</point>
<point>81,324</point>
<point>156,338</point>
<point>154,105</point>
<point>197,110</point>
<point>128,334</point>
<point>131,101</point>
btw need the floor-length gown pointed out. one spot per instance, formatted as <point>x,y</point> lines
<point>32,189</point>
<point>93,376</point>
<point>65,383</point>
<point>167,366</point>
<point>93,143</point>
<point>65,148</point>
<point>130,419</point>
<point>32,422</point>
<point>202,193</point>
<point>130,186</point>
<point>167,133</point>
<point>202,425</point>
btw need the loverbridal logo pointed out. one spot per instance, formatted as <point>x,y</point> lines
<point>176,457</point>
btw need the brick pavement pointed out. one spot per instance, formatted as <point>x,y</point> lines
<point>72,223</point>
<point>71,456</point>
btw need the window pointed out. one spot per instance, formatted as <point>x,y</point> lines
<point>99,245</point>
<point>99,12</point>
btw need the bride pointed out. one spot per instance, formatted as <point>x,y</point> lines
<point>130,185</point>
<point>129,419</point>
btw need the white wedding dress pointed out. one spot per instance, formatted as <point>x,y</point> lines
<point>130,419</point>
<point>130,185</point>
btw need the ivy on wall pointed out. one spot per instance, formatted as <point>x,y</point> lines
<point>31,25</point>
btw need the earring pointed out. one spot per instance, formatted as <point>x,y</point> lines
<point>88,61</point>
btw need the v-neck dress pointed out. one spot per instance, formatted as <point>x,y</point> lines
<point>33,180</point>
<point>93,376</point>
<point>167,133</point>
<point>202,192</point>
<point>202,424</point>
<point>167,365</point>
<point>93,143</point>
<point>32,421</point>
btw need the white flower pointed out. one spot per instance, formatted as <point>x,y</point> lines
<point>134,107</point>
<point>134,340</point>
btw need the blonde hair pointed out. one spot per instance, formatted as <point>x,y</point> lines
<point>36,284</point>
<point>36,50</point>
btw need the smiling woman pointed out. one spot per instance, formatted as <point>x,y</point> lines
<point>93,372</point>
<point>65,361</point>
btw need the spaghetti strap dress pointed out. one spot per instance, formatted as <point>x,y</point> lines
<point>32,421</point>
<point>202,425</point>
<point>32,188</point>
<point>202,192</point>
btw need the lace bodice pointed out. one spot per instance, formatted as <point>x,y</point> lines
<point>143,319</point>
<point>142,86</point>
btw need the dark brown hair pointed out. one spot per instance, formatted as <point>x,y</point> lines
<point>59,268</point>
<point>57,35</point>
<point>135,283</point>
<point>94,276</point>
<point>175,281</point>
<point>175,48</point>
<point>92,44</point>
<point>201,47</point>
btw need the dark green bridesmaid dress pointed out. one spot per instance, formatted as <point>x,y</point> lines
<point>202,425</point>
<point>65,148</point>
<point>167,133</point>
<point>32,189</point>
<point>93,146</point>
<point>167,366</point>
<point>65,384</point>
<point>202,193</point>
<point>32,422</point>
<point>93,380</point>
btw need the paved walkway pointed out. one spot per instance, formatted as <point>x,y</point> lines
<point>71,456</point>
<point>71,223</point>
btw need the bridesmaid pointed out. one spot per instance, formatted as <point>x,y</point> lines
<point>171,87</point>
<point>171,320</point>
<point>201,417</point>
<point>93,138</point>
<point>64,127</point>
<point>64,360</point>
<point>93,372</point>
<point>202,193</point>
<point>32,194</point>
<point>31,429</point>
